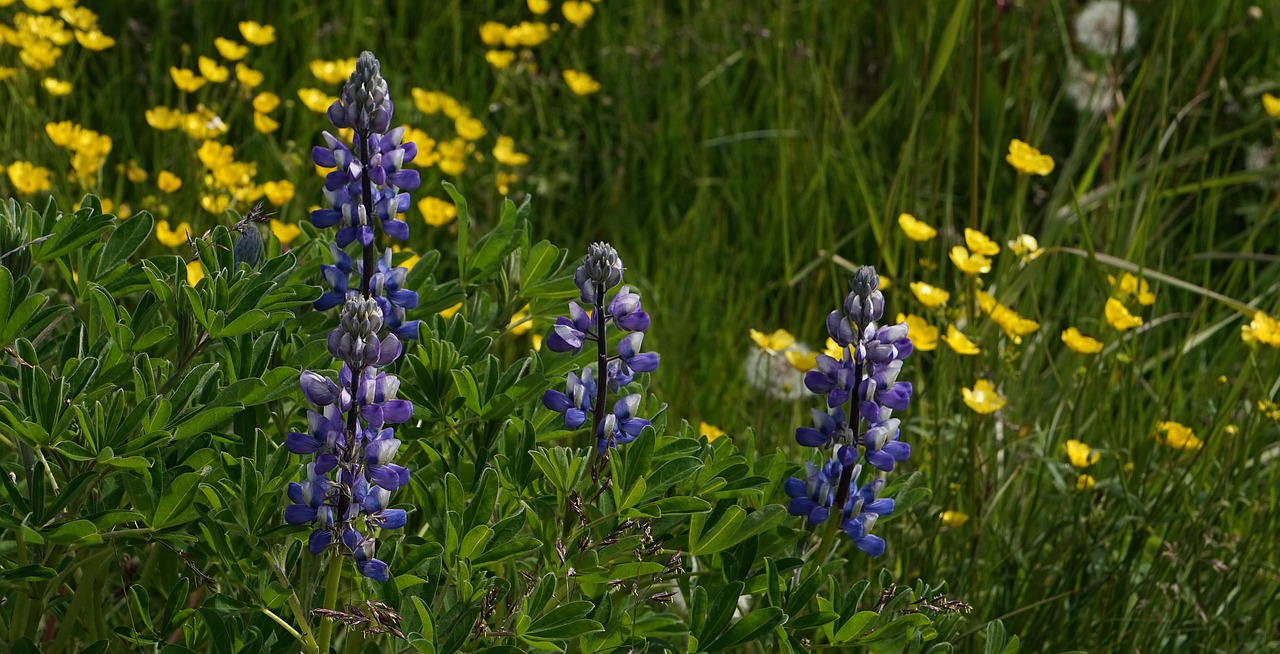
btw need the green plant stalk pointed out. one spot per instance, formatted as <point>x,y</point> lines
<point>307,638</point>
<point>332,580</point>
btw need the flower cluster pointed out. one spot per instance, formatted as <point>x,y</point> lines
<point>349,484</point>
<point>862,391</point>
<point>600,272</point>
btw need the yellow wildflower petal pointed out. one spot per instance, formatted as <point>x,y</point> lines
<point>969,263</point>
<point>778,341</point>
<point>248,77</point>
<point>257,33</point>
<point>1262,329</point>
<point>916,229</point>
<point>521,322</point>
<point>279,192</point>
<point>1079,343</point>
<point>492,33</point>
<point>928,295</point>
<point>28,178</point>
<point>212,71</point>
<point>195,272</point>
<point>265,102</point>
<point>186,79</point>
<point>230,50</point>
<point>499,58</point>
<point>953,519</point>
<point>135,173</point>
<point>577,12</point>
<point>580,83</point>
<point>802,361</point>
<point>833,349</point>
<point>56,86</point>
<point>1271,104</point>
<point>1119,317</point>
<point>1085,482</point>
<point>1081,455</point>
<point>1177,436</point>
<point>1028,160</point>
<point>960,343</point>
<point>172,237</point>
<point>333,72</point>
<point>437,212</point>
<point>469,128</point>
<point>264,123</point>
<point>527,34</point>
<point>1026,247</point>
<point>7,72</point>
<point>712,432</point>
<point>449,312</point>
<point>316,100</point>
<point>923,335</point>
<point>285,232</point>
<point>505,152</point>
<point>983,398</point>
<point>538,8</point>
<point>94,40</point>
<point>167,182</point>
<point>980,243</point>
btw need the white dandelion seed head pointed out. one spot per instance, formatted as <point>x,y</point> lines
<point>1088,91</point>
<point>773,375</point>
<point>1099,27</point>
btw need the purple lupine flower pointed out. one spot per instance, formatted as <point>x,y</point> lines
<point>571,332</point>
<point>575,402</point>
<point>621,426</point>
<point>626,313</point>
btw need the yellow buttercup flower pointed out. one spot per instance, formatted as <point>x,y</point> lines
<point>1026,247</point>
<point>1085,482</point>
<point>923,335</point>
<point>577,12</point>
<point>928,295</point>
<point>505,152</point>
<point>980,243</point>
<point>774,343</point>
<point>135,173</point>
<point>580,83</point>
<point>802,361</point>
<point>265,102</point>
<point>1262,329</point>
<point>168,182</point>
<point>503,181</point>
<point>248,77</point>
<point>212,71</point>
<point>1079,343</point>
<point>264,123</point>
<point>215,204</point>
<point>215,155</point>
<point>521,322</point>
<point>1013,325</point>
<point>451,311</point>
<point>499,58</point>
<point>960,343</point>
<point>712,432</point>
<point>1177,436</point>
<point>195,272</point>
<point>1081,455</point>
<point>469,128</point>
<point>230,50</point>
<point>953,519</point>
<point>1028,160</point>
<point>492,33</point>
<point>437,212</point>
<point>286,232</point>
<point>186,79</point>
<point>834,350</point>
<point>94,40</point>
<point>170,236</point>
<point>333,72</point>
<point>983,397</point>
<point>279,192</point>
<point>62,134</point>
<point>81,18</point>
<point>28,178</point>
<point>916,229</point>
<point>539,7</point>
<point>969,263</point>
<point>316,100</point>
<point>1271,104</point>
<point>257,33</point>
<point>1119,317</point>
<point>56,86</point>
<point>39,55</point>
<point>885,283</point>
<point>7,72</point>
<point>1132,286</point>
<point>527,34</point>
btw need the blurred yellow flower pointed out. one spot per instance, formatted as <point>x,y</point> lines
<point>1262,329</point>
<point>451,311</point>
<point>215,204</point>
<point>264,123</point>
<point>1026,247</point>
<point>408,263</point>
<point>580,83</point>
<point>712,432</point>
<point>774,343</point>
<point>980,243</point>
<point>248,77</point>
<point>1271,104</point>
<point>94,40</point>
<point>1119,317</point>
<point>577,12</point>
<point>499,58</point>
<point>437,212</point>
<point>1132,286</point>
<point>521,322</point>
<point>212,71</point>
<point>81,18</point>
<point>215,155</point>
<point>505,152</point>
<point>230,50</point>
<point>195,272</point>
<point>186,79</point>
<point>1013,325</point>
<point>802,361</point>
<point>960,343</point>
<point>923,335</point>
<point>62,134</point>
<point>1085,482</point>
<point>170,236</point>
<point>39,55</point>
<point>28,178</point>
<point>503,181</point>
<point>983,397</point>
<point>928,295</point>
<point>492,33</point>
<point>333,72</point>
<point>953,519</point>
<point>56,86</point>
<point>265,102</point>
<point>135,173</point>
<point>257,33</point>
<point>525,34</point>
<point>279,192</point>
<point>885,283</point>
<point>969,264</point>
<point>7,72</point>
<point>286,232</point>
<point>453,155</point>
<point>833,349</point>
<point>916,229</point>
<point>540,7</point>
<point>1081,455</point>
<point>1177,436</point>
<point>316,100</point>
<point>167,182</point>
<point>1028,160</point>
<point>1079,343</point>
<point>469,128</point>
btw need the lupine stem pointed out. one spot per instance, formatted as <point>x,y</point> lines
<point>602,360</point>
<point>332,580</point>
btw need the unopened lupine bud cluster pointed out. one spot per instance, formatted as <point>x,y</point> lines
<point>348,487</point>
<point>601,270</point>
<point>863,381</point>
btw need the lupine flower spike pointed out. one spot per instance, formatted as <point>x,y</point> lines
<point>349,484</point>
<point>856,423</point>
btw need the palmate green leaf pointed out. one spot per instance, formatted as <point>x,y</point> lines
<point>76,532</point>
<point>72,231</point>
<point>733,526</point>
<point>563,622</point>
<point>752,626</point>
<point>124,241</point>
<point>176,506</point>
<point>508,550</point>
<point>854,626</point>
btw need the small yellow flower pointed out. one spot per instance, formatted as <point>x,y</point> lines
<point>577,12</point>
<point>960,343</point>
<point>257,33</point>
<point>212,71</point>
<point>28,178</point>
<point>7,72</point>
<point>774,343</point>
<point>333,72</point>
<point>525,34</point>
<point>469,128</point>
<point>170,236</point>
<point>215,204</point>
<point>167,182</point>
<point>285,232</point>
<point>503,181</point>
<point>1028,160</point>
<point>916,229</point>
<point>39,55</point>
<point>316,100</point>
<point>215,155</point>
<point>1271,104</point>
<point>923,335</point>
<point>885,283</point>
<point>983,397</point>
<point>1119,317</point>
<point>135,173</point>
<point>930,296</point>
<point>1013,325</point>
<point>521,323</point>
<point>186,79</point>
<point>230,50</point>
<point>1177,436</point>
<point>833,349</point>
<point>953,519</point>
<point>499,58</point>
<point>712,432</point>
<point>63,134</point>
<point>248,77</point>
<point>1231,430</point>
<point>1026,247</point>
<point>195,272</point>
<point>264,123</point>
<point>1085,482</point>
<point>493,33</point>
<point>80,18</point>
<point>279,192</point>
<point>1081,455</point>
<point>265,102</point>
<point>437,212</point>
<point>969,263</point>
<point>451,311</point>
<point>1132,286</point>
<point>94,40</point>
<point>580,83</point>
<point>539,7</point>
<point>1262,329</point>
<point>56,86</point>
<point>802,361</point>
<point>1079,343</point>
<point>505,152</point>
<point>980,243</point>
